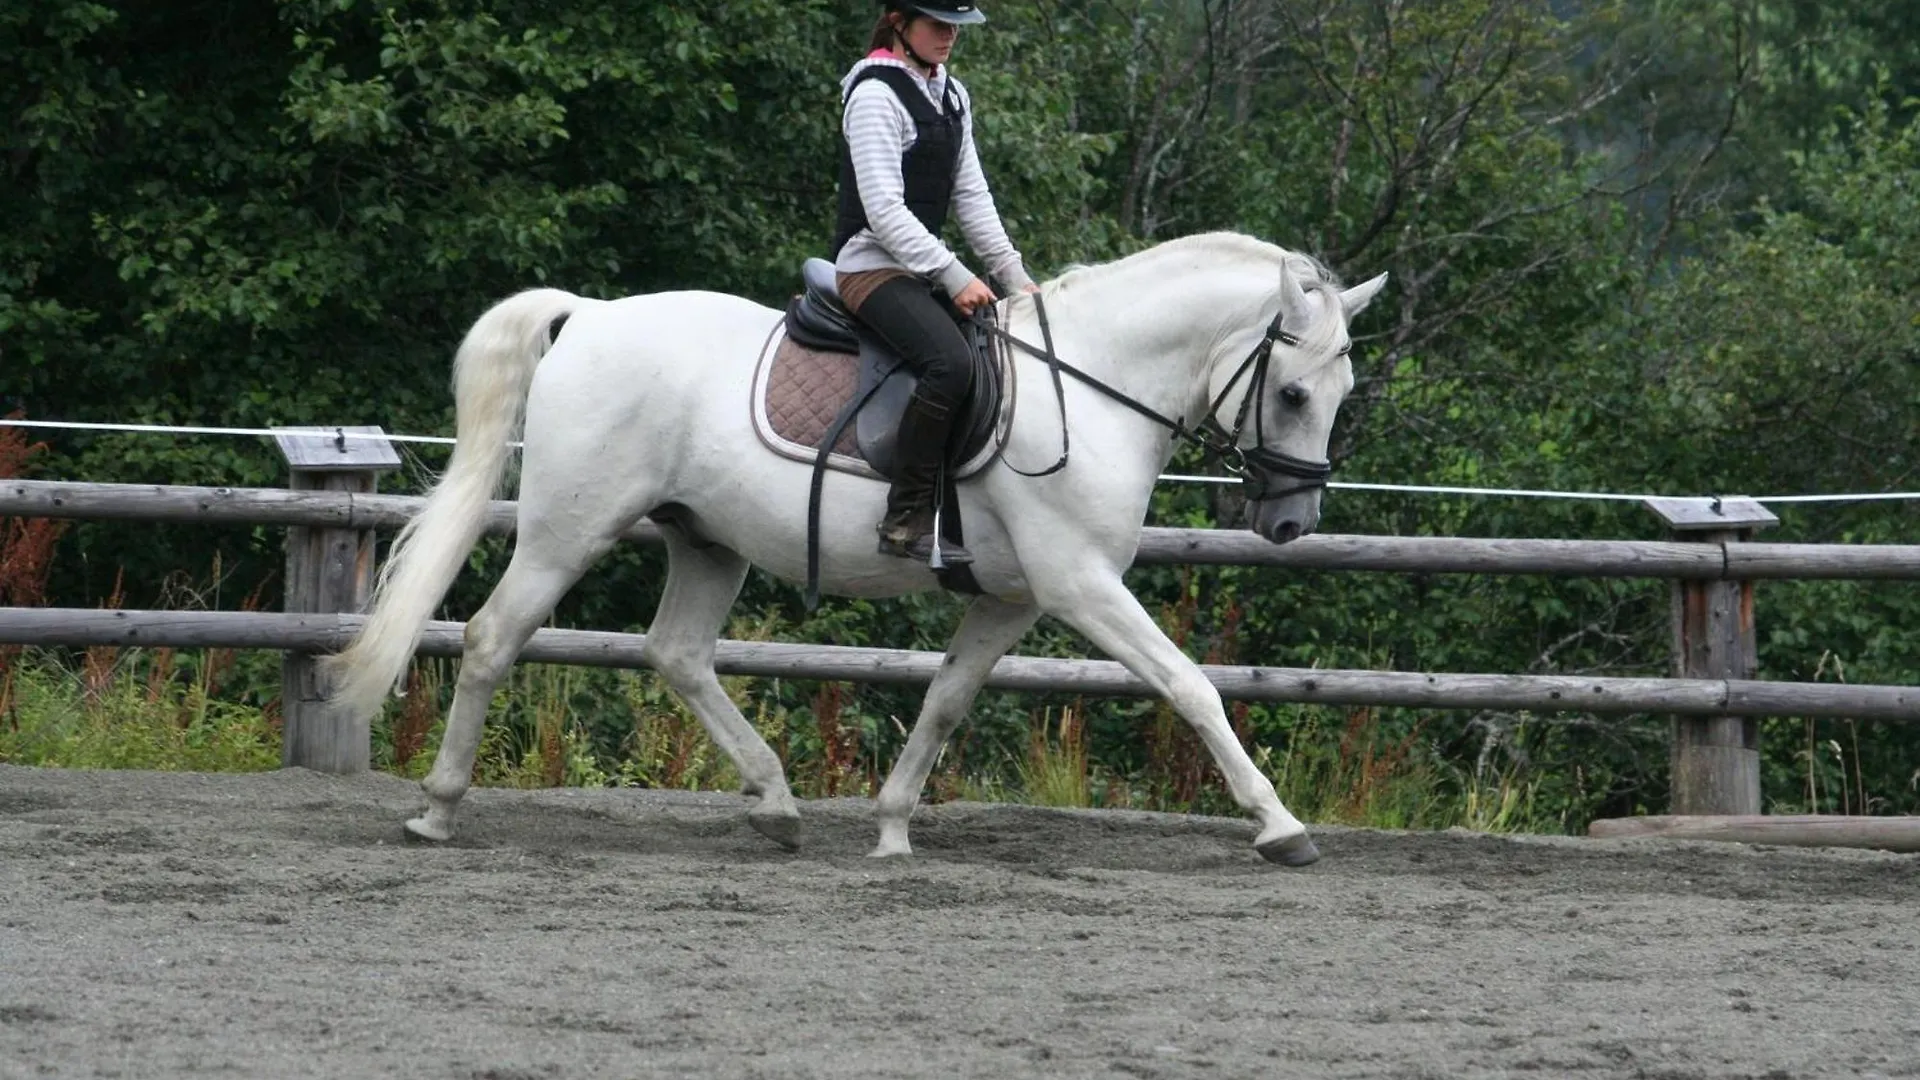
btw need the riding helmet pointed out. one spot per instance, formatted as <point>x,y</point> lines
<point>957,12</point>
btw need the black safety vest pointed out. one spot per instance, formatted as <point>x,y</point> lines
<point>927,166</point>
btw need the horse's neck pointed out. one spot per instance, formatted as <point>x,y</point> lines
<point>1153,325</point>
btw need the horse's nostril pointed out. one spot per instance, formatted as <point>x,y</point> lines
<point>1288,530</point>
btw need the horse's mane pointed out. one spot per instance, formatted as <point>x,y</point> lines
<point>1313,275</point>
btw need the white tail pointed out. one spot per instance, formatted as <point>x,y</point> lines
<point>491,373</point>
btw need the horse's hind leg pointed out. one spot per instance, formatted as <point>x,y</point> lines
<point>990,628</point>
<point>540,573</point>
<point>1099,606</point>
<point>702,583</point>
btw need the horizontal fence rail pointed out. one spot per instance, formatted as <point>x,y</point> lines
<point>1214,547</point>
<point>1536,693</point>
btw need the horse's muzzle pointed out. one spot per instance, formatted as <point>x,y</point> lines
<point>1284,519</point>
<point>1288,530</point>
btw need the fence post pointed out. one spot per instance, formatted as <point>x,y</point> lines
<point>328,570</point>
<point>1715,759</point>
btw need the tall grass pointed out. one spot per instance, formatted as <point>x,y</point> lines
<point>1829,771</point>
<point>1356,771</point>
<point>116,708</point>
<point>1349,771</point>
<point>26,556</point>
<point>132,719</point>
<point>1056,771</point>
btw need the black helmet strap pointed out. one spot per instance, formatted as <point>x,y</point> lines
<point>900,38</point>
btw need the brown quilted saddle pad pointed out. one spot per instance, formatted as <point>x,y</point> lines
<point>801,394</point>
<point>798,392</point>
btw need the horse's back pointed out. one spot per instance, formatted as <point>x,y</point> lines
<point>666,328</point>
<point>667,349</point>
<point>644,380</point>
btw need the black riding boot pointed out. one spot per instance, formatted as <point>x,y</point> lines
<point>918,452</point>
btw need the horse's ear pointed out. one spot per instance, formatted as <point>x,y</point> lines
<point>1355,300</point>
<point>1294,306</point>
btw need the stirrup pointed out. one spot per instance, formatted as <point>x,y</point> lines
<point>927,548</point>
<point>940,557</point>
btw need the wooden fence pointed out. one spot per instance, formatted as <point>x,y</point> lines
<point>332,510</point>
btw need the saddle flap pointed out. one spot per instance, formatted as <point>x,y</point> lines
<point>886,384</point>
<point>974,441</point>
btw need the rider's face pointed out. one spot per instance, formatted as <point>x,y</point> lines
<point>930,39</point>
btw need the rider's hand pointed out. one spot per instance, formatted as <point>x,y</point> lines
<point>974,296</point>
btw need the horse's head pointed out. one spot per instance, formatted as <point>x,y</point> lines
<point>1291,389</point>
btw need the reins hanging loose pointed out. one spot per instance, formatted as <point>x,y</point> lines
<point>1054,365</point>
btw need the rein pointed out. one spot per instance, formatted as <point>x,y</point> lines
<point>1251,464</point>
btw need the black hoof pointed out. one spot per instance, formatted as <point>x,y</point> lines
<point>1293,851</point>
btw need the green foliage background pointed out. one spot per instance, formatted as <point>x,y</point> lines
<point>1636,245</point>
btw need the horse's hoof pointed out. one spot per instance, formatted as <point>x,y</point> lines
<point>426,828</point>
<point>890,851</point>
<point>1296,850</point>
<point>780,826</point>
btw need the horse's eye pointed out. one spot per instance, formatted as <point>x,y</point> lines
<point>1293,396</point>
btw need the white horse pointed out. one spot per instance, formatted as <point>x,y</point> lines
<point>639,406</point>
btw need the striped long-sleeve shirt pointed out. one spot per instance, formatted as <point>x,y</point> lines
<point>879,130</point>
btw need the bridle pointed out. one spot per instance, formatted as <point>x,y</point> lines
<point>1260,469</point>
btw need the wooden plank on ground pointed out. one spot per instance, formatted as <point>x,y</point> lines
<point>1790,830</point>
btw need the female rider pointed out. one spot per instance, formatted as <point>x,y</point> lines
<point>906,157</point>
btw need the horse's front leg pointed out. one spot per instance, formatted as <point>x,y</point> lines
<point>1096,602</point>
<point>986,633</point>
